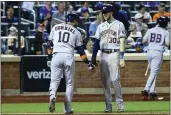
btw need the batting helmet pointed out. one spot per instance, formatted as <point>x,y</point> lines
<point>163,21</point>
<point>107,8</point>
<point>72,16</point>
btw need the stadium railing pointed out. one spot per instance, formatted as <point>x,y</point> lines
<point>3,4</point>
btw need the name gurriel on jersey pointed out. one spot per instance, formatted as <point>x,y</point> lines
<point>39,74</point>
<point>65,28</point>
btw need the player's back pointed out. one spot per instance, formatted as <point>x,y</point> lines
<point>156,38</point>
<point>65,38</point>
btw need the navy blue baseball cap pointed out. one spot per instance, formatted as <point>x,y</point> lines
<point>72,16</point>
<point>107,8</point>
<point>163,21</point>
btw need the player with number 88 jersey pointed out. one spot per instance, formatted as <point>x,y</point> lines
<point>156,38</point>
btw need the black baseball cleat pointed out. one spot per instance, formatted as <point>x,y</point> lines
<point>108,108</point>
<point>108,111</point>
<point>154,96</point>
<point>144,94</point>
<point>71,112</point>
<point>52,105</point>
<point>120,110</point>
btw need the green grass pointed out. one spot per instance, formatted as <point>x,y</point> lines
<point>87,107</point>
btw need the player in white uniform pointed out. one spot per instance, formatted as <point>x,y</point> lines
<point>63,39</point>
<point>110,39</point>
<point>156,38</point>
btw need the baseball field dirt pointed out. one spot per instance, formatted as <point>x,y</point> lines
<point>76,98</point>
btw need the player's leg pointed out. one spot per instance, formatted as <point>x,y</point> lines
<point>158,60</point>
<point>146,89</point>
<point>69,71</point>
<point>155,64</point>
<point>106,82</point>
<point>115,78</point>
<point>56,74</point>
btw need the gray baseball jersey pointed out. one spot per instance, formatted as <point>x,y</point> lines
<point>156,38</point>
<point>65,38</point>
<point>109,35</point>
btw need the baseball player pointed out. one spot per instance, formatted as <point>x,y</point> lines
<point>156,38</point>
<point>64,38</point>
<point>110,39</point>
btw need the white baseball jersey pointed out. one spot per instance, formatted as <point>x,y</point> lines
<point>157,37</point>
<point>109,34</point>
<point>65,38</point>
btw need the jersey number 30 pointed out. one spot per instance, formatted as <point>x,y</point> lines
<point>155,37</point>
<point>64,37</point>
<point>112,40</point>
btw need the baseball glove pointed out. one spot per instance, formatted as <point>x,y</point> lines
<point>122,63</point>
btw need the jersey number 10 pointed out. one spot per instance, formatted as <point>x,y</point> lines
<point>155,37</point>
<point>65,37</point>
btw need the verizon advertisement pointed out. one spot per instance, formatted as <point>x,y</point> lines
<point>35,75</point>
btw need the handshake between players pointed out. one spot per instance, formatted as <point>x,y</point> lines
<point>64,38</point>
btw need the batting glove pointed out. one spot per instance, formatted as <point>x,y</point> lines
<point>90,66</point>
<point>122,63</point>
<point>49,64</point>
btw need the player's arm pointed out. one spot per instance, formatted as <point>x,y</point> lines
<point>122,36</point>
<point>50,47</point>
<point>122,46</point>
<point>82,54</point>
<point>167,41</point>
<point>96,45</point>
<point>146,37</point>
<point>80,50</point>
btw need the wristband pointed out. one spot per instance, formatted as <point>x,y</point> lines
<point>121,55</point>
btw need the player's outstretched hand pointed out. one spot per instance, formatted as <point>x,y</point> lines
<point>90,66</point>
<point>49,63</point>
<point>122,63</point>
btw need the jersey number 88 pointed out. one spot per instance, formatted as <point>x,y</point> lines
<point>155,38</point>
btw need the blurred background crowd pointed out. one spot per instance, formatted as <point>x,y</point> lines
<point>25,26</point>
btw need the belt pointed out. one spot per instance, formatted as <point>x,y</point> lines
<point>110,50</point>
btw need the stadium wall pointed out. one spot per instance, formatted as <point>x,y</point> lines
<point>89,82</point>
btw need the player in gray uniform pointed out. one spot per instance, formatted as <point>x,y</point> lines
<point>110,39</point>
<point>156,38</point>
<point>63,39</point>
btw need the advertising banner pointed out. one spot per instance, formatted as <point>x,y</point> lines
<point>35,75</point>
